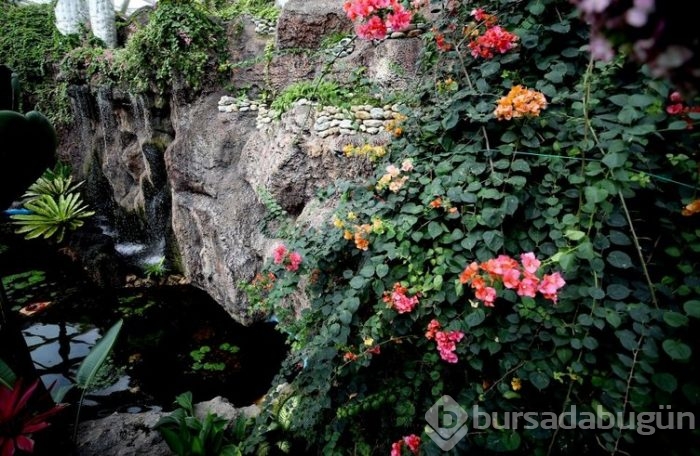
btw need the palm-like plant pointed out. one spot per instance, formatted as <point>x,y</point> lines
<point>52,185</point>
<point>52,216</point>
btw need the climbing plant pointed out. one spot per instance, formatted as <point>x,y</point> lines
<point>528,244</point>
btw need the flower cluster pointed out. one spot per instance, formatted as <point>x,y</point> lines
<point>520,102</point>
<point>398,300</point>
<point>371,349</point>
<point>691,208</point>
<point>291,260</point>
<point>265,282</point>
<point>411,441</point>
<point>393,178</point>
<point>446,340</point>
<point>371,152</point>
<point>393,126</point>
<point>374,18</point>
<point>358,233</point>
<point>678,108</point>
<point>521,277</point>
<point>443,203</point>
<point>494,40</point>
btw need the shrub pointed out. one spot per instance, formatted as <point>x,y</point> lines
<point>591,183</point>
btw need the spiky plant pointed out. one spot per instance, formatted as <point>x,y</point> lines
<point>52,216</point>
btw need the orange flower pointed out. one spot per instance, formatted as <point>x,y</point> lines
<point>469,272</point>
<point>692,208</point>
<point>349,356</point>
<point>520,102</point>
<point>436,203</point>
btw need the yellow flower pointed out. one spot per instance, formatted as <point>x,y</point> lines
<point>369,342</point>
<point>516,384</point>
<point>352,216</point>
<point>337,222</point>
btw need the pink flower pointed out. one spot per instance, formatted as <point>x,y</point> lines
<point>279,253</point>
<point>412,442</point>
<point>530,263</point>
<point>528,286</point>
<point>486,294</point>
<point>396,448</point>
<point>373,29</point>
<point>400,19</point>
<point>511,278</point>
<point>550,284</point>
<point>674,109</point>
<point>447,344</point>
<point>433,328</point>
<point>294,261</point>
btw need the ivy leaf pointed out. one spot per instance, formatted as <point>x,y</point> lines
<point>539,380</point>
<point>475,318</point>
<point>382,270</point>
<point>627,338</point>
<point>358,282</point>
<point>675,319</point>
<point>434,229</point>
<point>692,308</point>
<point>452,119</point>
<point>615,160</point>
<point>574,235</point>
<point>619,259</point>
<point>666,382</point>
<point>676,349</point>
<point>617,292</point>
<point>520,165</point>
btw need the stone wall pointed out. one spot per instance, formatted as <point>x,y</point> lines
<point>212,154</point>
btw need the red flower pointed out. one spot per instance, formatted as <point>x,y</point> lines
<point>16,424</point>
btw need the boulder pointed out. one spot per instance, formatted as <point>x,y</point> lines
<point>304,23</point>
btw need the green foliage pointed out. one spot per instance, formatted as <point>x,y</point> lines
<point>564,185</point>
<point>7,375</point>
<point>181,46</point>
<point>205,359</point>
<point>276,221</point>
<point>155,269</point>
<point>326,93</point>
<point>55,206</point>
<point>51,216</point>
<point>54,183</point>
<point>187,435</point>
<point>32,47</point>
<point>263,9</point>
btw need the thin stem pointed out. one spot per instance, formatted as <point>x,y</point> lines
<point>650,284</point>
<point>627,390</point>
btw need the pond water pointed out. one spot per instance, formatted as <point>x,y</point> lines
<point>174,338</point>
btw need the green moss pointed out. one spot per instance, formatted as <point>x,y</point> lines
<point>32,47</point>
